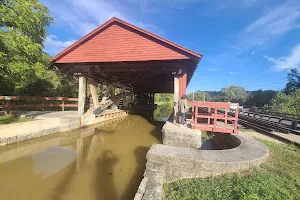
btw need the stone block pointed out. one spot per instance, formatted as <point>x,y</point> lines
<point>12,139</point>
<point>181,136</point>
<point>157,167</point>
<point>154,188</point>
<point>141,190</point>
<point>23,137</point>
<point>4,141</point>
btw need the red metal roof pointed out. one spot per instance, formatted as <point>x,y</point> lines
<point>117,41</point>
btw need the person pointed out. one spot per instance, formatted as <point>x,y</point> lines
<point>182,104</point>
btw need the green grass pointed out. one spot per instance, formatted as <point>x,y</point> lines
<point>278,178</point>
<point>10,119</point>
<point>247,130</point>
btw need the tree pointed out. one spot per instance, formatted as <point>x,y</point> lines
<point>293,81</point>
<point>285,103</point>
<point>199,96</point>
<point>235,94</point>
<point>22,32</point>
<point>259,98</point>
<point>163,98</point>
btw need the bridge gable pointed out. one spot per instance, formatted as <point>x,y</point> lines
<point>117,41</point>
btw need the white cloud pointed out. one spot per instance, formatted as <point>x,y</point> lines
<point>83,16</point>
<point>272,24</point>
<point>79,17</point>
<point>231,72</point>
<point>286,62</point>
<point>53,46</point>
<point>253,52</point>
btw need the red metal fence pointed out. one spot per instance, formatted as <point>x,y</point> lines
<point>12,102</point>
<point>205,112</point>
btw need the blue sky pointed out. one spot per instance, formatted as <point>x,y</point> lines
<point>252,43</point>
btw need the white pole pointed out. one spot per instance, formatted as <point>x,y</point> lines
<point>176,97</point>
<point>81,94</point>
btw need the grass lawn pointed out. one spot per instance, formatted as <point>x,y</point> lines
<point>278,178</point>
<point>9,119</point>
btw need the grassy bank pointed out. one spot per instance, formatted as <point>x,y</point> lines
<point>278,178</point>
<point>10,119</point>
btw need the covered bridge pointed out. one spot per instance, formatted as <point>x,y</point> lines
<point>125,56</point>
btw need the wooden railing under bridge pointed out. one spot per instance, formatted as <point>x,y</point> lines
<point>10,103</point>
<point>205,116</point>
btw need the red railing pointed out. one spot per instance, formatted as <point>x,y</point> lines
<point>11,102</point>
<point>209,112</point>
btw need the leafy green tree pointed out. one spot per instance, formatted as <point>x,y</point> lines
<point>22,32</point>
<point>163,98</point>
<point>162,111</point>
<point>235,94</point>
<point>259,98</point>
<point>293,81</point>
<point>285,103</point>
<point>199,96</point>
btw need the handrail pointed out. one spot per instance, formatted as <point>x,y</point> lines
<point>212,113</point>
<point>8,105</point>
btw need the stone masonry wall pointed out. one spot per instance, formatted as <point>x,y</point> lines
<point>181,136</point>
<point>170,163</point>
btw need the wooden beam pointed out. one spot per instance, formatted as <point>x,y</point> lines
<point>107,82</point>
<point>93,92</point>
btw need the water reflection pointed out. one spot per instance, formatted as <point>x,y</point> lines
<point>135,179</point>
<point>79,153</point>
<point>105,161</point>
<point>163,111</point>
<point>105,171</point>
<point>53,159</point>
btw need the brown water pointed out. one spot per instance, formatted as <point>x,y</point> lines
<point>103,162</point>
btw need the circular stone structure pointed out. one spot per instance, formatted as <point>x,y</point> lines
<point>167,163</point>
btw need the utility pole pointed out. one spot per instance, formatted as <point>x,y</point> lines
<point>193,96</point>
<point>204,95</point>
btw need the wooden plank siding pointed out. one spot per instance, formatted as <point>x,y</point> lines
<point>117,43</point>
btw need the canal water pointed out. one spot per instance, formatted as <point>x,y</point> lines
<point>103,162</point>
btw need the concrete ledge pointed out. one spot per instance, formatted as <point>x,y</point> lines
<point>175,163</point>
<point>12,133</point>
<point>192,163</point>
<point>141,189</point>
<point>50,123</point>
<point>181,136</point>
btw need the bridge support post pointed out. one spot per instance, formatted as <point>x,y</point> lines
<point>182,84</point>
<point>176,97</point>
<point>113,94</point>
<point>81,94</point>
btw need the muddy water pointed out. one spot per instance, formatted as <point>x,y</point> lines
<point>104,162</point>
